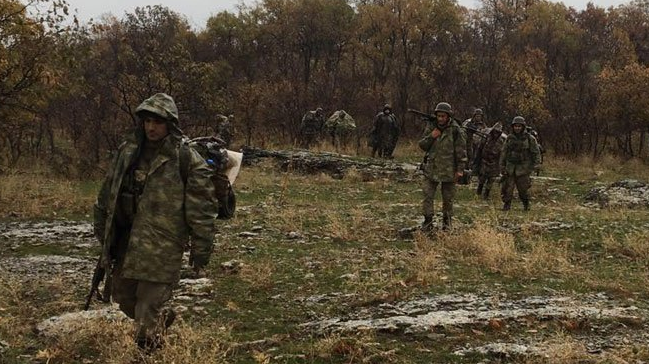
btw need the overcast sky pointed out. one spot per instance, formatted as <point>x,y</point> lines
<point>198,11</point>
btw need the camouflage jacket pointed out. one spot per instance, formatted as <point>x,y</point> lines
<point>487,159</point>
<point>520,154</point>
<point>385,130</point>
<point>168,212</point>
<point>445,155</point>
<point>312,123</point>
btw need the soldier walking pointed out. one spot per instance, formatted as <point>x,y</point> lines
<point>486,163</point>
<point>385,133</point>
<point>520,157</point>
<point>311,127</point>
<point>445,145</point>
<point>472,125</point>
<point>146,211</point>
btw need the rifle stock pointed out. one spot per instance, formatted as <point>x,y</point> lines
<point>433,118</point>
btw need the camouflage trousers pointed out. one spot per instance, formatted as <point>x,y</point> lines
<point>522,184</point>
<point>485,183</point>
<point>142,301</point>
<point>429,188</point>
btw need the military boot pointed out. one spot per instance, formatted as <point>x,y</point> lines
<point>427,225</point>
<point>446,222</point>
<point>507,206</point>
<point>526,205</point>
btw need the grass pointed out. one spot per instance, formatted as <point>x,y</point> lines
<point>338,239</point>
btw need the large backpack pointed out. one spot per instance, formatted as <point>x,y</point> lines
<point>213,150</point>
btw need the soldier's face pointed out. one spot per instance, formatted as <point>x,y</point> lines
<point>478,117</point>
<point>442,118</point>
<point>386,111</point>
<point>155,129</point>
<point>518,128</point>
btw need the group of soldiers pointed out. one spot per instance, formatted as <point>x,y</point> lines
<point>160,196</point>
<point>450,148</point>
<point>340,125</point>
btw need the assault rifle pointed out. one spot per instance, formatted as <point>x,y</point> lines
<point>97,277</point>
<point>433,119</point>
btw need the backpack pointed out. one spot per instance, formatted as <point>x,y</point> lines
<point>213,150</point>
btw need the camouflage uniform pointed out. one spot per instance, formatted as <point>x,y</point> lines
<point>519,158</point>
<point>445,156</point>
<point>311,127</point>
<point>341,127</point>
<point>385,133</point>
<point>224,129</point>
<point>470,126</point>
<point>144,216</point>
<point>486,163</point>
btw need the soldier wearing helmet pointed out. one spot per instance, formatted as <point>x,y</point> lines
<point>472,125</point>
<point>311,127</point>
<point>445,145</point>
<point>385,133</point>
<point>145,214</point>
<point>519,158</point>
<point>486,163</point>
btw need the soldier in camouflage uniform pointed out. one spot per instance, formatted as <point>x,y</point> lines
<point>519,158</point>
<point>311,127</point>
<point>145,213</point>
<point>445,145</point>
<point>385,133</point>
<point>471,125</point>
<point>224,128</point>
<point>486,163</point>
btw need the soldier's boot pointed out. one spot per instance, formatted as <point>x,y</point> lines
<point>427,225</point>
<point>526,205</point>
<point>479,190</point>
<point>168,318</point>
<point>446,222</point>
<point>485,194</point>
<point>507,206</point>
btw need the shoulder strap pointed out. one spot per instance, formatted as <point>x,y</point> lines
<point>184,159</point>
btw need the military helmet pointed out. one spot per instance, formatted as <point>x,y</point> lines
<point>478,111</point>
<point>444,107</point>
<point>518,120</point>
<point>387,106</point>
<point>161,105</point>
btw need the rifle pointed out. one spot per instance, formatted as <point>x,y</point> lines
<point>97,277</point>
<point>433,119</point>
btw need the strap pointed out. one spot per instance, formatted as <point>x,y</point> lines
<point>184,159</point>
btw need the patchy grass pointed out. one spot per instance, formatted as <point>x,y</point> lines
<point>339,240</point>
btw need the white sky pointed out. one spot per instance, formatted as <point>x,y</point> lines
<point>198,11</point>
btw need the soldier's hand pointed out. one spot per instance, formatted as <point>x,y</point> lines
<point>436,133</point>
<point>458,176</point>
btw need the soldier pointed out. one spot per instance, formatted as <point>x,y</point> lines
<point>519,158</point>
<point>146,211</point>
<point>340,126</point>
<point>385,133</point>
<point>471,125</point>
<point>486,163</point>
<point>445,145</point>
<point>224,128</point>
<point>311,127</point>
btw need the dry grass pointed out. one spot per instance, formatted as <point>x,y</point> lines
<point>632,246</point>
<point>562,349</point>
<point>37,194</point>
<point>606,168</point>
<point>259,275</point>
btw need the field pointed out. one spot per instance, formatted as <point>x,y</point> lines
<point>315,269</point>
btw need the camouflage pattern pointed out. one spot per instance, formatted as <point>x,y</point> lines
<point>519,158</point>
<point>521,154</point>
<point>486,163</point>
<point>384,134</point>
<point>445,155</point>
<point>224,129</point>
<point>311,127</point>
<point>472,139</point>
<point>168,211</point>
<point>340,126</point>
